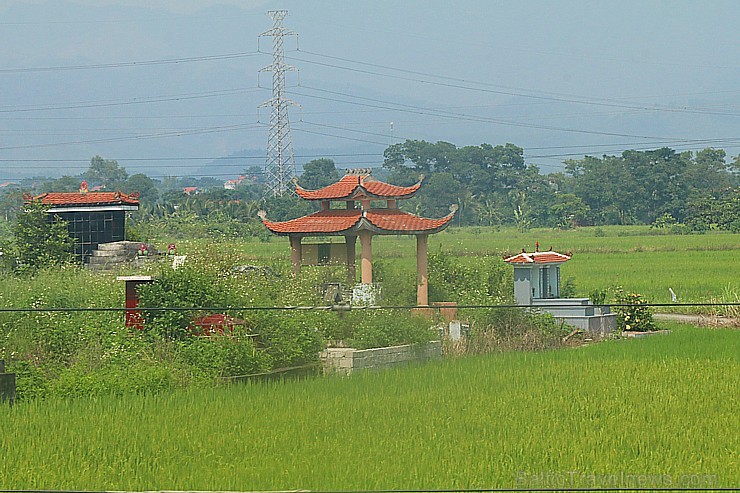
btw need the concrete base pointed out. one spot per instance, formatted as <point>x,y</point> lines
<point>348,360</point>
<point>597,325</point>
<point>579,312</point>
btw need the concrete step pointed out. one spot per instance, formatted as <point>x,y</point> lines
<point>111,253</point>
<point>107,261</point>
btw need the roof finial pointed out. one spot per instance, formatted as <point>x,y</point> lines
<point>83,187</point>
<point>536,246</point>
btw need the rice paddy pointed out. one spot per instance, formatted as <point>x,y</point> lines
<point>661,408</point>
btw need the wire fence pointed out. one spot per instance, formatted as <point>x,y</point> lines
<point>341,307</point>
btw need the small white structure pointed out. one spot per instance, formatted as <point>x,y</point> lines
<point>537,285</point>
<point>536,275</point>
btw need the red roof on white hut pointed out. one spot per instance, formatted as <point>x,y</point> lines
<point>538,257</point>
<point>357,185</point>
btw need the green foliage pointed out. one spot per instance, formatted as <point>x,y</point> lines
<point>568,287</point>
<point>482,280</point>
<point>378,328</point>
<point>224,356</point>
<point>182,288</point>
<point>637,316</point>
<point>318,173</point>
<point>105,171</point>
<point>41,241</point>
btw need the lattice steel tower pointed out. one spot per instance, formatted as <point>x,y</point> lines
<point>280,164</point>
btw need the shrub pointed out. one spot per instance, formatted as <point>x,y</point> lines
<point>40,241</point>
<point>185,287</point>
<point>223,356</point>
<point>637,316</point>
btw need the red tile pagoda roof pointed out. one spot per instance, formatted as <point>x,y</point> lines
<point>88,198</point>
<point>355,186</point>
<point>343,221</point>
<point>538,258</point>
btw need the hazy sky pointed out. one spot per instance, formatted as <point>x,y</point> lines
<point>158,83</point>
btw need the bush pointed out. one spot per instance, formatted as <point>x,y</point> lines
<point>635,317</point>
<point>185,287</point>
<point>509,329</point>
<point>223,356</point>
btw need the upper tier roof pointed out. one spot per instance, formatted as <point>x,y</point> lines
<point>346,221</point>
<point>538,258</point>
<point>356,187</point>
<point>73,199</point>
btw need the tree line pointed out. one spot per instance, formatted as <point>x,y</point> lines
<point>492,185</point>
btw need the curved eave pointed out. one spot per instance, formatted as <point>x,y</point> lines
<point>379,190</point>
<point>354,187</point>
<point>322,223</point>
<point>347,222</point>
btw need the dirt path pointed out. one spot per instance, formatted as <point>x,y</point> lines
<point>700,320</point>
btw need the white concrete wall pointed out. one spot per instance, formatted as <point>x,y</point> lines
<point>347,360</point>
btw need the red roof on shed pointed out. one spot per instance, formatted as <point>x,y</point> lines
<point>89,198</point>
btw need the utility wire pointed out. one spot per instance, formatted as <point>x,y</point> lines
<point>335,307</point>
<point>161,61</point>
<point>561,99</point>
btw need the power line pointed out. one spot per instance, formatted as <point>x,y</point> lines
<point>462,116</point>
<point>179,133</point>
<point>141,63</point>
<point>132,101</point>
<point>510,91</point>
<point>518,93</point>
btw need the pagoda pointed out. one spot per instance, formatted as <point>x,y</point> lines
<point>361,217</point>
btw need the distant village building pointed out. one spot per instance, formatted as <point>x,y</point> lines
<point>190,190</point>
<point>232,184</point>
<point>92,217</point>
<point>361,217</point>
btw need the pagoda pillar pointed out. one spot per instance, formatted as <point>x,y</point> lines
<point>366,267</point>
<point>351,243</point>
<point>422,278</point>
<point>295,254</point>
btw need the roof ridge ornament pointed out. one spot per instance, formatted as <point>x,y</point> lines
<point>359,171</point>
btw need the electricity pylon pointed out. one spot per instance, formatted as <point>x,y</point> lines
<point>280,164</point>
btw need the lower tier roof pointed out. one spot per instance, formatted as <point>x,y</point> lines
<point>348,221</point>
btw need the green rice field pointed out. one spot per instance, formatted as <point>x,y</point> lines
<point>699,267</point>
<point>661,410</point>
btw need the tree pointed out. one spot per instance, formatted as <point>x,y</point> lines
<point>438,194</point>
<point>40,240</point>
<point>105,171</point>
<point>318,174</point>
<point>146,187</point>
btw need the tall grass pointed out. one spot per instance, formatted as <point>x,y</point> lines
<point>666,405</point>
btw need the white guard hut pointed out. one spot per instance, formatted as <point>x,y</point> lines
<point>537,284</point>
<point>536,275</point>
